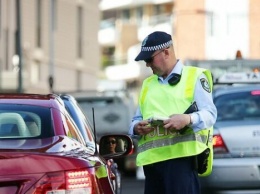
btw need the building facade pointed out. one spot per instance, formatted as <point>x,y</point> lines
<point>201,29</point>
<point>71,41</point>
<point>58,41</point>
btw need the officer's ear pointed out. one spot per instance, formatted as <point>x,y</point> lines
<point>166,52</point>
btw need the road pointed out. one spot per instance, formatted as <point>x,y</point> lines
<point>130,185</point>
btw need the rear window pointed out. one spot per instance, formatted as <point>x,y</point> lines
<point>238,106</point>
<point>23,121</point>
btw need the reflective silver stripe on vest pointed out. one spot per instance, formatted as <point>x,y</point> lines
<point>172,141</point>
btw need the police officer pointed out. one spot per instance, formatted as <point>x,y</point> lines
<point>167,153</point>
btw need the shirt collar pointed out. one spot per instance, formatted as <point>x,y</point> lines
<point>177,69</point>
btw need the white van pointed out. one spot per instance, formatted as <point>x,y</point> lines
<point>113,111</point>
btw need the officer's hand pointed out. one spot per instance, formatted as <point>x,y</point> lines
<point>177,121</point>
<point>143,128</point>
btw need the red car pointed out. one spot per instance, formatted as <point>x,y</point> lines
<point>43,151</point>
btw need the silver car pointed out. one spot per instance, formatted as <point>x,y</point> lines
<point>236,139</point>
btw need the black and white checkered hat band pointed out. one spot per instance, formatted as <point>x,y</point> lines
<point>157,47</point>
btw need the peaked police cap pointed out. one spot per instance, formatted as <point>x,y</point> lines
<point>155,41</point>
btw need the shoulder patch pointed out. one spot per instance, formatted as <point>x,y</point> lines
<point>205,84</point>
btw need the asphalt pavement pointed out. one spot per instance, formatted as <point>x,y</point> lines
<point>130,185</point>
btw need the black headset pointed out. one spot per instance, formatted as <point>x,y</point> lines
<point>174,79</point>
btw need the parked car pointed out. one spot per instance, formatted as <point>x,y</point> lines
<point>236,139</point>
<point>42,150</point>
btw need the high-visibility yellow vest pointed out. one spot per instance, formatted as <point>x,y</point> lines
<point>101,172</point>
<point>163,100</point>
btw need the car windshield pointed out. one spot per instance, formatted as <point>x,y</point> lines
<point>238,106</point>
<point>23,121</point>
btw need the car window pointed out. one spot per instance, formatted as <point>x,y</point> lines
<point>24,122</point>
<point>80,119</point>
<point>86,123</point>
<point>71,129</point>
<point>237,106</point>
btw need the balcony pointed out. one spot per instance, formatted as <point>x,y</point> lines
<point>107,33</point>
<point>122,4</point>
<point>110,29</point>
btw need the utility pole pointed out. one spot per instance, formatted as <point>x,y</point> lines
<point>18,46</point>
<point>51,44</point>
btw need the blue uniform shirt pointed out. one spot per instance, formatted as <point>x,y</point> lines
<point>204,118</point>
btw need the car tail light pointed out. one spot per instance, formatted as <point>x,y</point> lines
<point>219,145</point>
<point>255,92</point>
<point>73,182</point>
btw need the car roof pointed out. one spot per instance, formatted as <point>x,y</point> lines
<point>229,89</point>
<point>45,100</point>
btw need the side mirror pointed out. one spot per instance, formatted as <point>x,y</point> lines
<point>113,146</point>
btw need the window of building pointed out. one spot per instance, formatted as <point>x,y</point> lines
<point>211,24</point>
<point>80,24</point>
<point>139,15</point>
<point>126,15</point>
<point>38,23</point>
<point>35,72</point>
<point>158,9</point>
<point>6,50</point>
<point>0,20</point>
